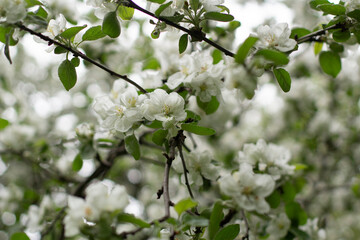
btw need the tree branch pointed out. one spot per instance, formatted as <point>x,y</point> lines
<point>81,55</point>
<point>192,33</point>
<point>312,36</point>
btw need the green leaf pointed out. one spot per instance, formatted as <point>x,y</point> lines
<point>299,32</point>
<point>300,234</point>
<point>77,163</point>
<point>31,3</point>
<point>93,33</point>
<point>132,146</point>
<point>194,220</point>
<point>208,107</point>
<point>341,36</point>
<point>67,74</point>
<point>183,42</point>
<point>315,3</point>
<point>75,61</point>
<point>295,213</point>
<point>330,63</point>
<point>154,124</point>
<point>129,218</point>
<point>71,32</point>
<point>152,63</point>
<point>333,9</point>
<point>274,199</point>
<point>7,48</point>
<point>159,137</point>
<point>125,13</point>
<point>157,1</point>
<point>216,217</point>
<point>278,58</point>
<point>193,116</point>
<point>162,8</point>
<point>59,50</point>
<point>197,129</point>
<point>3,123</point>
<point>336,47</point>
<point>175,18</point>
<point>19,236</point>
<point>194,4</point>
<point>355,14</point>
<point>283,78</point>
<point>217,56</point>
<point>234,25</point>
<point>184,204</point>
<point>229,232</point>
<point>41,13</point>
<point>318,47</point>
<point>4,31</point>
<point>289,192</point>
<point>244,49</point>
<point>111,25</point>
<point>218,16</point>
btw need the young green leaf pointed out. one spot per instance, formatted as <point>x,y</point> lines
<point>217,56</point>
<point>194,4</point>
<point>162,8</point>
<point>355,14</point>
<point>157,1</point>
<point>333,9</point>
<point>183,42</point>
<point>159,136</point>
<point>184,205</point>
<point>278,58</point>
<point>341,36</point>
<point>75,61</point>
<point>132,146</point>
<point>208,107</point>
<point>77,163</point>
<point>129,218</point>
<point>330,63</point>
<point>67,74</point>
<point>218,16</point>
<point>194,220</point>
<point>3,123</point>
<point>59,50</point>
<point>197,129</point>
<point>19,236</point>
<point>315,3</point>
<point>299,32</point>
<point>7,48</point>
<point>229,232</point>
<point>283,78</point>
<point>244,49</point>
<point>4,31</point>
<point>111,25</point>
<point>295,213</point>
<point>274,199</point>
<point>125,13</point>
<point>71,32</point>
<point>31,3</point>
<point>318,47</point>
<point>216,217</point>
<point>93,33</point>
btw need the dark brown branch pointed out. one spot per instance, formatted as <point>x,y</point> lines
<point>246,236</point>
<point>80,54</point>
<point>228,217</point>
<point>194,34</point>
<point>312,36</point>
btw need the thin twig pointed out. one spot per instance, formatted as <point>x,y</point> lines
<point>83,56</point>
<point>311,36</point>
<point>194,34</point>
<point>184,168</point>
<point>246,236</point>
<point>166,194</point>
<point>228,217</point>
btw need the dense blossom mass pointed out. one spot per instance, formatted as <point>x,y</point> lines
<point>166,120</point>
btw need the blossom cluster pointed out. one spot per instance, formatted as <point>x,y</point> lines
<point>13,10</point>
<point>260,166</point>
<point>197,71</point>
<point>100,198</point>
<point>126,108</point>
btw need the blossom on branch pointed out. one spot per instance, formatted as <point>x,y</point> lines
<point>276,37</point>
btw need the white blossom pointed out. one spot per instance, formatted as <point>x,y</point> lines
<point>198,72</point>
<point>85,130</point>
<point>13,10</point>
<point>248,189</point>
<point>199,165</point>
<point>212,5</point>
<point>56,27</point>
<point>276,36</point>
<point>167,108</point>
<point>99,198</point>
<point>278,227</point>
<point>268,158</point>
